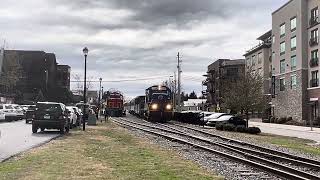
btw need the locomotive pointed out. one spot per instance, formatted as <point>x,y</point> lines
<point>114,103</point>
<point>159,103</point>
<point>155,106</point>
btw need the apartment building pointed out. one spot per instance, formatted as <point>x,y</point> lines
<point>258,59</point>
<point>295,62</point>
<point>219,74</point>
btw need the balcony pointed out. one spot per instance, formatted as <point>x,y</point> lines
<point>313,21</point>
<point>313,41</point>
<point>314,83</point>
<point>314,62</point>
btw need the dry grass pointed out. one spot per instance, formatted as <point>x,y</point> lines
<point>102,152</point>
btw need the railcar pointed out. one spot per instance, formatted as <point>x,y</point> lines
<point>158,104</point>
<point>114,103</point>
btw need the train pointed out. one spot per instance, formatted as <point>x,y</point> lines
<point>155,105</point>
<point>114,103</point>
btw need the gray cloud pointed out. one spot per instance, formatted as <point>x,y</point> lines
<point>137,38</point>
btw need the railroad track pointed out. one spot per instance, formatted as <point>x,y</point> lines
<point>253,157</point>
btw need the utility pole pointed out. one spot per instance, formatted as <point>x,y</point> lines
<point>179,83</point>
<point>174,84</point>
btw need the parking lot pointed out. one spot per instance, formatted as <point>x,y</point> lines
<point>17,137</point>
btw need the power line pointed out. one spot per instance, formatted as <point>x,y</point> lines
<point>125,80</point>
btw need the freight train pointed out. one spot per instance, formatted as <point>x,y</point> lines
<point>155,106</point>
<point>114,103</point>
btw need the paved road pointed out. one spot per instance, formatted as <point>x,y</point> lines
<point>17,137</point>
<point>288,130</point>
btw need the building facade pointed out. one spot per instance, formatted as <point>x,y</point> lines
<point>35,74</point>
<point>218,75</point>
<point>291,60</point>
<point>258,59</point>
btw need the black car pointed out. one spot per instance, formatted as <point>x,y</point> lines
<point>29,113</point>
<point>49,115</point>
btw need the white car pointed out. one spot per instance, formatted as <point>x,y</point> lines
<point>205,115</point>
<point>19,111</point>
<point>9,112</point>
<point>212,119</point>
<point>72,116</point>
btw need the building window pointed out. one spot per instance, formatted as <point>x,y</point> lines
<point>293,23</point>
<point>282,48</point>
<point>273,39</point>
<point>293,63</point>
<point>259,58</point>
<point>282,84</point>
<point>314,16</point>
<point>282,30</point>
<point>314,82</point>
<point>314,58</point>
<point>293,43</point>
<point>282,66</point>
<point>273,56</point>
<point>314,37</point>
<point>248,62</point>
<point>253,60</point>
<point>293,81</point>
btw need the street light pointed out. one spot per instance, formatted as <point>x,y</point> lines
<point>85,53</point>
<point>99,101</point>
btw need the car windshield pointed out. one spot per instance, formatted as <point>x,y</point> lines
<point>225,118</point>
<point>8,107</point>
<point>49,107</point>
<point>160,96</point>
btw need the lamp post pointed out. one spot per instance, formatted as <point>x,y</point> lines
<point>85,53</point>
<point>99,101</point>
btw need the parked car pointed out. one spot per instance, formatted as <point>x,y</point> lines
<point>72,116</point>
<point>51,115</point>
<point>237,121</point>
<point>205,115</point>
<point>79,115</point>
<point>19,111</point>
<point>29,113</point>
<point>9,112</point>
<point>212,119</point>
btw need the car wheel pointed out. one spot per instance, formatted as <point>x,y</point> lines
<point>68,128</point>
<point>34,128</point>
<point>27,122</point>
<point>62,130</point>
<point>42,129</point>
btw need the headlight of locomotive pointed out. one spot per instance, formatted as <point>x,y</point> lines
<point>154,106</point>
<point>169,107</point>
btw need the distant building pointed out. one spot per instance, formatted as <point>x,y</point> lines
<point>258,59</point>
<point>193,104</point>
<point>63,76</point>
<point>37,73</point>
<point>219,74</point>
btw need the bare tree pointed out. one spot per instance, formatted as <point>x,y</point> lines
<point>12,72</point>
<point>245,94</point>
<point>79,83</point>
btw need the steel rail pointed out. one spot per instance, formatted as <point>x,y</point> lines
<point>282,173</point>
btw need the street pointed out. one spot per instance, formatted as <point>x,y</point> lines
<point>17,137</point>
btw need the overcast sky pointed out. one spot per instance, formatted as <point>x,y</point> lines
<point>130,39</point>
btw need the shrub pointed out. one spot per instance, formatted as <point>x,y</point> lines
<point>289,119</point>
<point>219,126</point>
<point>241,129</point>
<point>229,127</point>
<point>265,120</point>
<point>254,130</point>
<point>282,120</point>
<point>294,123</point>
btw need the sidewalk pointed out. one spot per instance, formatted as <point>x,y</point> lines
<point>288,130</point>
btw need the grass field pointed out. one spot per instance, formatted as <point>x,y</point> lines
<point>102,152</point>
